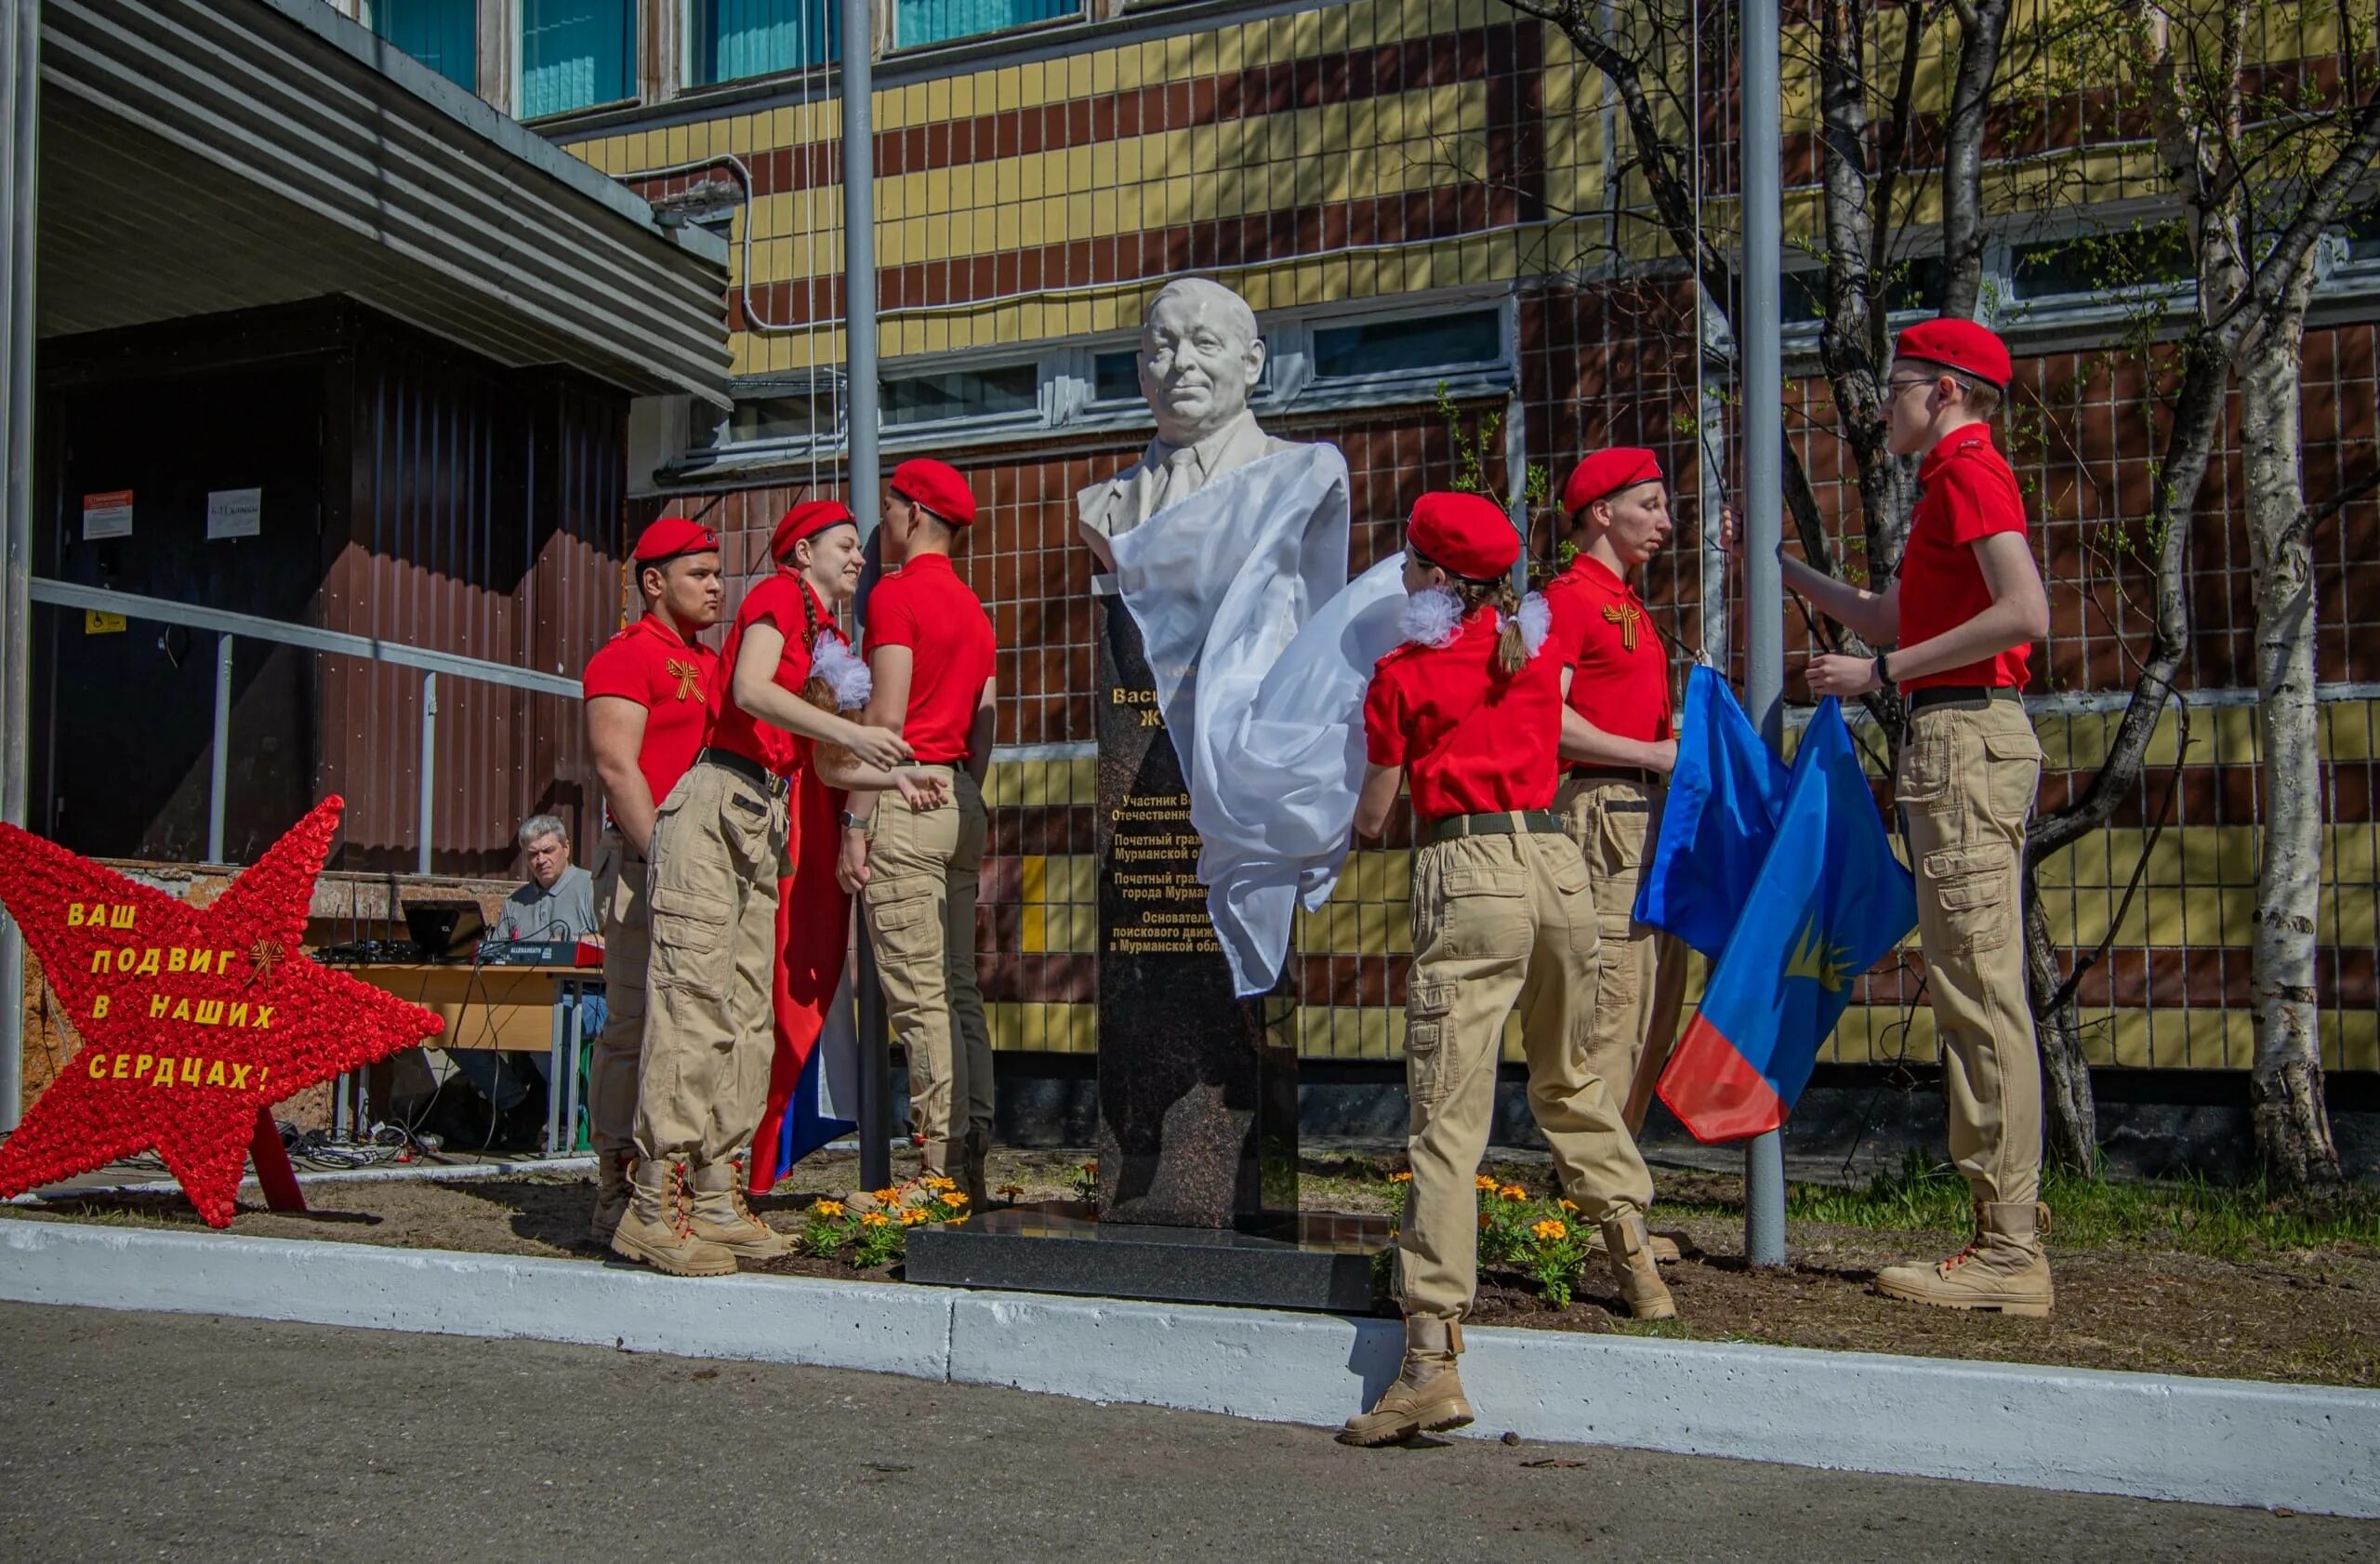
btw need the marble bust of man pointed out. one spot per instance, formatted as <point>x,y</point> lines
<point>1200,358</point>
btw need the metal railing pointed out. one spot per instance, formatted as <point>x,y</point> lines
<point>229,627</point>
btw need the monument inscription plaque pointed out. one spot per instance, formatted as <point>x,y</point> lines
<point>1197,1090</point>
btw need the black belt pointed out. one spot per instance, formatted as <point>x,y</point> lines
<point>1636,773</point>
<point>1959,697</point>
<point>745,766</point>
<point>1524,822</point>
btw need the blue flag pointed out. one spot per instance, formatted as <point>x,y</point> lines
<point>1830,900</point>
<point>1725,797</point>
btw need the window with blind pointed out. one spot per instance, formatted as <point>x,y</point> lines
<point>442,35</point>
<point>939,21</point>
<point>576,54</point>
<point>728,40</point>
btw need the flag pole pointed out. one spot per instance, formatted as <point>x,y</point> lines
<point>1764,431</point>
<point>861,493</point>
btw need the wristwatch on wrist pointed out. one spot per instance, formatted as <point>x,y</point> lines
<point>1883,672</point>
<point>854,823</point>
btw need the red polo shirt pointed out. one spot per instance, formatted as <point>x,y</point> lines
<point>1471,740</point>
<point>673,678</point>
<point>777,601</point>
<point>926,607</point>
<point>1970,492</point>
<point>1600,629</point>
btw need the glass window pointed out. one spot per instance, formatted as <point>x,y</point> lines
<point>2362,233</point>
<point>965,393</point>
<point>791,417</point>
<point>1404,347</point>
<point>731,39</point>
<point>442,35</point>
<point>935,22</point>
<point>1802,297</point>
<point>576,54</point>
<point>2100,262</point>
<point>1116,377</point>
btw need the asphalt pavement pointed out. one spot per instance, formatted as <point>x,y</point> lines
<point>147,1436</point>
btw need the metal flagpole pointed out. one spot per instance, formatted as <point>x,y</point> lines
<point>1763,433</point>
<point>860,412</point>
<point>21,122</point>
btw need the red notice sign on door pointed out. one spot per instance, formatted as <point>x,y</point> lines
<point>107,515</point>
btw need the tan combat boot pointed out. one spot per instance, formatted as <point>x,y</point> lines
<point>1664,1251</point>
<point>2004,1268</point>
<point>1641,1288</point>
<point>722,1217</point>
<point>659,1226</point>
<point>977,1151</point>
<point>611,1193</point>
<point>1427,1396</point>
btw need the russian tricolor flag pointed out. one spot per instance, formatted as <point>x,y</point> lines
<point>1828,901</point>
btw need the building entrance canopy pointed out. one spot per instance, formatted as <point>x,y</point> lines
<point>199,156</point>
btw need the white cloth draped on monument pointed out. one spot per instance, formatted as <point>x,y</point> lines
<point>1260,653</point>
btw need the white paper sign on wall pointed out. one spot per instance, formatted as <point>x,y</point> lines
<point>233,513</point>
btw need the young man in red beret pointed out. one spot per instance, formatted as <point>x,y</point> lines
<point>720,850</point>
<point>1958,626</point>
<point>648,699</point>
<point>1618,747</point>
<point>929,656</point>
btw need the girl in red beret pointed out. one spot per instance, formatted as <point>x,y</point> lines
<point>1958,626</point>
<point>930,650</point>
<point>721,848</point>
<point>1467,715</point>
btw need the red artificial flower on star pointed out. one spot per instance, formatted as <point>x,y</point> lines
<point>194,1020</point>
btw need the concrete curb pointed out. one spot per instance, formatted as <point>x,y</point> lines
<point>2208,1441</point>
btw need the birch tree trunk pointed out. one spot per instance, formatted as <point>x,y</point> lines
<point>2291,1125</point>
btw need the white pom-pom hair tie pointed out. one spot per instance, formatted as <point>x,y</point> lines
<point>1537,622</point>
<point>846,677</point>
<point>1431,617</point>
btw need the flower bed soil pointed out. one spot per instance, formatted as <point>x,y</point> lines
<point>2303,1315</point>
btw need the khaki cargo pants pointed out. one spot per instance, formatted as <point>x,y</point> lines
<point>718,850</point>
<point>1499,919</point>
<point>919,902</point>
<point>625,899</point>
<point>1640,986</point>
<point>1965,786</point>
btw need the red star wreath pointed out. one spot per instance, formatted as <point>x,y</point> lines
<point>194,1021</point>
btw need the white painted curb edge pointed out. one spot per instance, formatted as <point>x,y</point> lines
<point>2211,1441</point>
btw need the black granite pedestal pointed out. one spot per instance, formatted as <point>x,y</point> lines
<point>1315,1260</point>
<point>1198,1089</point>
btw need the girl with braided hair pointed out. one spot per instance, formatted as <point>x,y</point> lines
<point>1467,714</point>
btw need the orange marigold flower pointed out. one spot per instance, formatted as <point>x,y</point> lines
<point>876,1219</point>
<point>954,1197</point>
<point>1512,1192</point>
<point>1570,1206</point>
<point>1400,1178</point>
<point>1092,1168</point>
<point>912,1216</point>
<point>887,1195</point>
<point>1011,1191</point>
<point>1486,1184</point>
<point>828,1208</point>
<point>1550,1231</point>
<point>941,1183</point>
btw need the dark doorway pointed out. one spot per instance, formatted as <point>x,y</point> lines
<point>125,718</point>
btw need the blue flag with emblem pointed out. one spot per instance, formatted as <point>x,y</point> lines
<point>1828,900</point>
<point>1721,813</point>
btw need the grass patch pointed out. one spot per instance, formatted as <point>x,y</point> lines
<point>2226,1222</point>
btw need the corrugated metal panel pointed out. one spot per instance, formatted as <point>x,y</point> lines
<point>485,518</point>
<point>203,156</point>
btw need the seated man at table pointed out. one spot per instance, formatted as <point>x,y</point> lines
<point>556,905</point>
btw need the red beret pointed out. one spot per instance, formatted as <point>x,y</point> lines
<point>939,487</point>
<point>1958,344</point>
<point>806,520</point>
<point>1608,472</point>
<point>1467,533</point>
<point>672,536</point>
